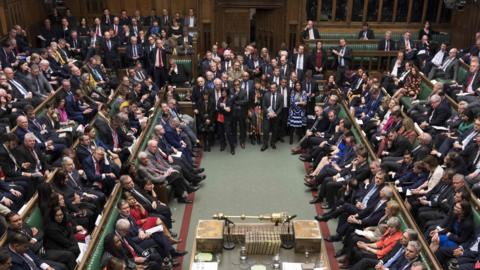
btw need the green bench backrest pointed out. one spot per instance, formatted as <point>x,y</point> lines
<point>96,258</point>
<point>187,65</point>
<point>425,91</point>
<point>461,74</point>
<point>35,218</point>
<point>476,217</point>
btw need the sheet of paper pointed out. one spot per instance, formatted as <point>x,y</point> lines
<point>291,266</point>
<point>205,266</point>
<point>155,229</point>
<point>83,248</point>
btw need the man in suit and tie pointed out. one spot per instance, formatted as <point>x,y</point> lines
<point>406,44</point>
<point>366,33</point>
<point>134,52</point>
<point>165,20</point>
<point>176,73</point>
<point>343,56</point>
<point>410,258</point>
<point>107,18</point>
<point>387,44</point>
<point>101,172</point>
<point>109,48</point>
<point>190,20</point>
<point>272,106</point>
<point>158,63</point>
<point>300,60</point>
<point>310,32</point>
<point>471,84</point>
<point>439,114</point>
<point>19,90</point>
<point>22,256</point>
<point>449,68</point>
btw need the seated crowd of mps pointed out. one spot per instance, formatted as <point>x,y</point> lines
<point>70,122</point>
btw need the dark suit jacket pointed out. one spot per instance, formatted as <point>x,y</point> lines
<point>267,102</point>
<point>305,61</point>
<point>402,263</point>
<point>19,263</point>
<point>371,215</point>
<point>381,45</point>
<point>370,34</point>
<point>89,167</point>
<point>179,77</point>
<point>10,167</point>
<point>83,152</point>
<point>129,53</point>
<point>153,56</point>
<point>316,34</point>
<point>23,155</point>
<point>239,103</point>
<point>313,58</point>
<point>399,146</point>
<point>440,115</point>
<point>466,230</point>
<point>347,57</point>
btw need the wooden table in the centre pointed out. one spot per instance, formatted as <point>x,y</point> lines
<point>230,259</point>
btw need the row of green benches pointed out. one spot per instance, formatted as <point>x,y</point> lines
<point>395,36</point>
<point>405,217</point>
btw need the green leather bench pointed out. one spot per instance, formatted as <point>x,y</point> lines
<point>35,218</point>
<point>95,260</point>
<point>187,66</point>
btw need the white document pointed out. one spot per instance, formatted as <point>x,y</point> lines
<point>97,221</point>
<point>155,229</point>
<point>205,266</point>
<point>83,248</point>
<point>177,155</point>
<point>440,128</point>
<point>291,266</point>
<point>367,234</point>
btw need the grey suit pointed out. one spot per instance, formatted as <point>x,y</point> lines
<point>448,72</point>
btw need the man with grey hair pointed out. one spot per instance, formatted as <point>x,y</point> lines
<point>437,116</point>
<point>411,255</point>
<point>448,69</point>
<point>391,257</point>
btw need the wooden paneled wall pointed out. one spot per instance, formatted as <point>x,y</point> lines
<point>465,24</point>
<point>28,13</point>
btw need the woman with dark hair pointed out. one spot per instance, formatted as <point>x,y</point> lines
<point>60,235</point>
<point>82,28</point>
<point>297,118</point>
<point>426,31</point>
<point>81,212</point>
<point>457,228</point>
<point>114,248</point>
<point>411,88</point>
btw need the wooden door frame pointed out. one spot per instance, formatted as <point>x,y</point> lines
<point>218,33</point>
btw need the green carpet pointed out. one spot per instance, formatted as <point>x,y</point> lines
<point>250,182</point>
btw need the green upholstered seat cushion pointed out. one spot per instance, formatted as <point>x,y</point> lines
<point>35,218</point>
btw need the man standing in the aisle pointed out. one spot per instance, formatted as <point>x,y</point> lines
<point>158,62</point>
<point>343,57</point>
<point>272,107</point>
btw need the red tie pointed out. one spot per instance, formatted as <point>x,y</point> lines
<point>115,139</point>
<point>130,248</point>
<point>97,168</point>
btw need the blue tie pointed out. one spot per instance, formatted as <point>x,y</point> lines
<point>369,194</point>
<point>394,258</point>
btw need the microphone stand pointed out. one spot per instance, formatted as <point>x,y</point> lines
<point>228,244</point>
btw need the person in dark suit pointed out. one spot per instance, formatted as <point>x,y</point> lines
<point>411,257</point>
<point>148,21</point>
<point>406,44</point>
<point>152,205</point>
<point>343,57</point>
<point>12,169</point>
<point>310,32</point>
<point>224,119</point>
<point>22,257</point>
<point>318,59</point>
<point>300,61</point>
<point>30,153</point>
<point>386,43</point>
<point>471,83</point>
<point>107,18</point>
<point>439,114</point>
<point>101,172</point>
<point>16,227</point>
<point>239,113</point>
<point>133,52</point>
<point>109,48</point>
<point>466,255</point>
<point>397,145</point>
<point>77,110</point>
<point>158,63</point>
<point>177,74</point>
<point>206,117</point>
<point>6,57</point>
<point>272,106</point>
<point>366,33</point>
